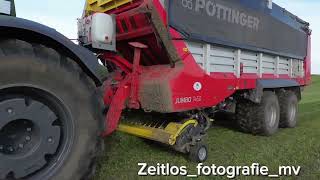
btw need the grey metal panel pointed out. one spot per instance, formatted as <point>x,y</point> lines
<point>284,66</point>
<point>221,68</point>
<point>237,59</point>
<point>260,68</point>
<point>268,58</point>
<point>213,58</point>
<point>249,55</point>
<point>222,60</point>
<point>268,65</point>
<point>298,70</point>
<point>277,83</point>
<point>221,51</point>
<point>250,70</point>
<point>199,58</point>
<point>197,52</point>
<point>86,57</point>
<point>249,61</point>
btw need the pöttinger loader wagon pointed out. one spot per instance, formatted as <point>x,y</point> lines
<point>169,67</point>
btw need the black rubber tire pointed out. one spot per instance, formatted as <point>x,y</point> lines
<point>45,68</point>
<point>288,100</point>
<point>253,118</point>
<point>244,113</point>
<point>194,154</point>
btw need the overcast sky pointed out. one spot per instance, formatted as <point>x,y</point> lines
<point>62,15</point>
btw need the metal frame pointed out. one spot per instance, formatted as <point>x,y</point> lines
<point>168,135</point>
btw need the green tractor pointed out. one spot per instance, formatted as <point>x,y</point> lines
<point>51,108</point>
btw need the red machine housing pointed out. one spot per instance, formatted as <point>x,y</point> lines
<point>161,75</point>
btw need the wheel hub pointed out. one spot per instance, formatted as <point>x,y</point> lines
<point>18,137</point>
<point>272,116</point>
<point>27,136</point>
<point>292,112</point>
<point>202,154</point>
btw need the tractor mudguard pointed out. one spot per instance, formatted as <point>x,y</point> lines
<point>13,27</point>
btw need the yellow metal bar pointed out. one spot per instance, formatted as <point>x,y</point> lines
<point>94,8</point>
<point>104,5</point>
<point>167,135</point>
<point>103,2</point>
<point>92,1</point>
<point>145,132</point>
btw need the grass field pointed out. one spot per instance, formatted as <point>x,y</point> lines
<point>299,146</point>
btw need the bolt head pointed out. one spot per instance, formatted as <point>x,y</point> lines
<point>29,129</point>
<point>50,140</point>
<point>10,110</point>
<point>21,146</point>
<point>28,138</point>
<point>10,149</point>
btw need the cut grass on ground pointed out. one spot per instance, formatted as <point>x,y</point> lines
<point>299,146</point>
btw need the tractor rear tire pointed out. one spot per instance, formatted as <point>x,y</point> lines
<point>51,115</point>
<point>259,119</point>
<point>288,109</point>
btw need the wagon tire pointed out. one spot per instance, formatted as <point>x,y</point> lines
<point>259,118</point>
<point>244,114</point>
<point>288,109</point>
<point>267,114</point>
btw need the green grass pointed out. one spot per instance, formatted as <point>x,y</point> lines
<point>299,146</point>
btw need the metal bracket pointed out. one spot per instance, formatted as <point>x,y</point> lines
<point>134,103</point>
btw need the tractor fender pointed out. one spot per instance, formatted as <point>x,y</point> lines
<point>13,27</point>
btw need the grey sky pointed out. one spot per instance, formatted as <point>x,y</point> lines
<point>62,15</point>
